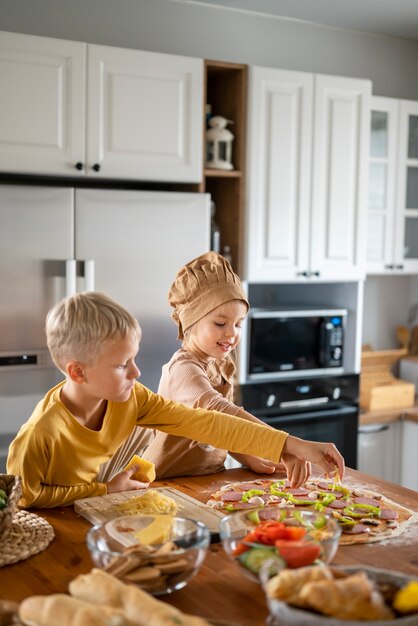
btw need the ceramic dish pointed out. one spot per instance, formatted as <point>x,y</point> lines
<point>282,613</point>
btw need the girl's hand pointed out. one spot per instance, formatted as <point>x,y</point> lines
<point>124,482</point>
<point>298,470</point>
<point>257,464</point>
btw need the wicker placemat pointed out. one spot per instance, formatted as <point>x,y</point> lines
<point>29,535</point>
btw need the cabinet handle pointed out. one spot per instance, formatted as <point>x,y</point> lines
<point>89,274</point>
<point>96,167</point>
<point>371,430</point>
<point>70,277</point>
<point>79,165</point>
<point>315,273</point>
<point>306,274</point>
<point>399,266</point>
<point>389,267</point>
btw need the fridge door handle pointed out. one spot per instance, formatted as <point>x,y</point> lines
<point>89,274</point>
<point>70,277</point>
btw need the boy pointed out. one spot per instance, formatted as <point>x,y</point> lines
<point>81,423</point>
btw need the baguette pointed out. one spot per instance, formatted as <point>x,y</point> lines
<point>142,609</point>
<point>67,611</point>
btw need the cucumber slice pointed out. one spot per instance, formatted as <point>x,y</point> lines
<point>255,557</point>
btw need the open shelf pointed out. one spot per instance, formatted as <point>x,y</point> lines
<point>226,93</point>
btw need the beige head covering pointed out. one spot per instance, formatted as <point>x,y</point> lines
<point>200,286</point>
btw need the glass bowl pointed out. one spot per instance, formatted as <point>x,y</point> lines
<point>159,553</point>
<point>319,543</point>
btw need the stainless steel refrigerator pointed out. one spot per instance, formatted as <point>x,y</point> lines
<point>58,240</point>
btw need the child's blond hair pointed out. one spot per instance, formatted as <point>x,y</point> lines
<point>77,327</point>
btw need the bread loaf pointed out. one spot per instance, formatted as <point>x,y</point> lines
<point>62,610</point>
<point>139,607</point>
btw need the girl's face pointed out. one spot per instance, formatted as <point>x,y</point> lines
<point>219,332</point>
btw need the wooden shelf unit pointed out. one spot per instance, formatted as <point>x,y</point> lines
<point>226,92</point>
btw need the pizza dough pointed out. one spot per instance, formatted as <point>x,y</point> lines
<point>365,516</point>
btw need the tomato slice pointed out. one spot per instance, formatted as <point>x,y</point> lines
<point>270,531</point>
<point>298,553</point>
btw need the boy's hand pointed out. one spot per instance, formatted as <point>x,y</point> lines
<point>257,464</point>
<point>325,455</point>
<point>124,482</point>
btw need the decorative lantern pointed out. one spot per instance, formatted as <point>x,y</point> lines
<point>219,144</point>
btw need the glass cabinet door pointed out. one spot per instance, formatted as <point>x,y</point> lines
<point>407,196</point>
<point>381,194</point>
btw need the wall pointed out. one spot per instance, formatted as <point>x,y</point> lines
<point>387,300</point>
<point>179,27</point>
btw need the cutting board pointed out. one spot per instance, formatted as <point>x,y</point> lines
<point>101,509</point>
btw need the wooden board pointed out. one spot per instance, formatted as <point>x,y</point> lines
<point>101,509</point>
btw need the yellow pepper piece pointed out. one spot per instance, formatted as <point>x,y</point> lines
<point>406,599</point>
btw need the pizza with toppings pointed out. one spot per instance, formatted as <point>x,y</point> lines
<point>365,516</point>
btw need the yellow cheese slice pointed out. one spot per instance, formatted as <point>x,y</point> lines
<point>158,531</point>
<point>146,472</point>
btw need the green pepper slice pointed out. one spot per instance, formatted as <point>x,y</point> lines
<point>251,493</point>
<point>373,511</point>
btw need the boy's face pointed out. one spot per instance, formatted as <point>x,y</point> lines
<point>219,332</point>
<point>113,373</point>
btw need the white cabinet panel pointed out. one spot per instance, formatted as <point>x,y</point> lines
<point>280,139</point>
<point>132,114</point>
<point>379,450</point>
<point>339,178</point>
<point>409,466</point>
<point>392,232</point>
<point>307,185</point>
<point>144,114</point>
<point>42,121</point>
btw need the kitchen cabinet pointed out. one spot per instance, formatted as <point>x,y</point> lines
<point>379,450</point>
<point>307,147</point>
<point>392,232</point>
<point>74,109</point>
<point>409,461</point>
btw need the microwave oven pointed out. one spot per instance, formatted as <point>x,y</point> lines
<point>285,343</point>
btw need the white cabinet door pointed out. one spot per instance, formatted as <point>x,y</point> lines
<point>406,252</point>
<point>279,149</point>
<point>307,179</point>
<point>144,115</point>
<point>379,448</point>
<point>42,104</point>
<point>409,464</point>
<point>382,220</point>
<point>339,183</point>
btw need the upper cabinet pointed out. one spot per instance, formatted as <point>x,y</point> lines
<point>307,176</point>
<point>70,108</point>
<point>392,234</point>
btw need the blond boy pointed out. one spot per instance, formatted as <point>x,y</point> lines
<point>83,421</point>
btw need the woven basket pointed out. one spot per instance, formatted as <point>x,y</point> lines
<point>13,487</point>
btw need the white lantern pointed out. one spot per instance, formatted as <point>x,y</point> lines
<point>219,144</point>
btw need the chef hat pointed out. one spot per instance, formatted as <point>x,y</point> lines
<point>200,286</point>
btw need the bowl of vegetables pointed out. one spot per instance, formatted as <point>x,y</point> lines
<point>295,537</point>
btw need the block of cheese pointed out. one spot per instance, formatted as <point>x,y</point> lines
<point>146,472</point>
<point>158,531</point>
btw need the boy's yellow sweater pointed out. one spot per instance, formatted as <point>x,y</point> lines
<point>58,459</point>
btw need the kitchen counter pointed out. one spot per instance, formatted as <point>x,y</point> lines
<point>219,590</point>
<point>389,415</point>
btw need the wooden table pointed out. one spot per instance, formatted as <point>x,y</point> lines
<point>219,590</point>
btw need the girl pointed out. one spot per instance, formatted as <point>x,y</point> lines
<point>209,308</point>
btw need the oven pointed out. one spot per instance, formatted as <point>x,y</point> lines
<point>319,409</point>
